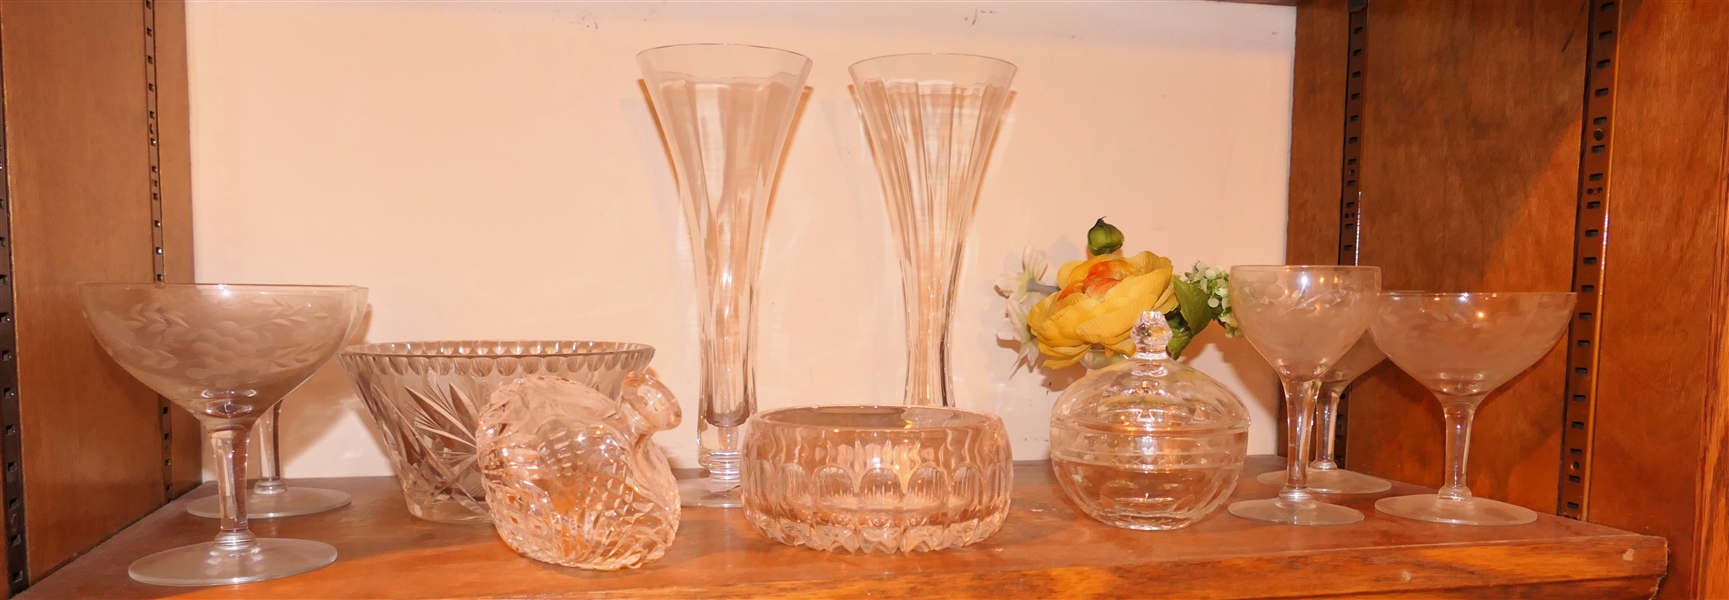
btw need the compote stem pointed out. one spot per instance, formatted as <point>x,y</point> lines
<point>269,463</point>
<point>228,439</point>
<point>1328,425</point>
<point>1300,397</point>
<point>1459,411</point>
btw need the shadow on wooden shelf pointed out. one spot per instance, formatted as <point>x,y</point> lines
<point>1045,549</point>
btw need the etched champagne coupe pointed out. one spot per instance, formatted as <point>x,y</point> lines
<point>227,354</point>
<point>1461,347</point>
<point>1325,476</point>
<point>725,111</point>
<point>269,497</point>
<point>1302,319</point>
<point>931,120</point>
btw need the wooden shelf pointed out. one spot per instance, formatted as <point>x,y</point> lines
<point>1046,549</point>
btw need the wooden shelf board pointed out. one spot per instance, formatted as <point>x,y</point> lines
<point>1045,549</point>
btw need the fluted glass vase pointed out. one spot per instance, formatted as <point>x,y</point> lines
<point>725,112</point>
<point>931,120</point>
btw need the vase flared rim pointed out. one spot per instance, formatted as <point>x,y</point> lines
<point>1010,65</point>
<point>251,287</point>
<point>416,349</point>
<point>723,45</point>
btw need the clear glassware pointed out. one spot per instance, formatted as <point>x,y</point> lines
<point>227,354</point>
<point>1148,443</point>
<point>1302,319</point>
<point>931,120</point>
<point>426,398</point>
<point>269,497</point>
<point>572,477</point>
<point>726,113</point>
<point>1325,476</point>
<point>885,479</point>
<point>1461,347</point>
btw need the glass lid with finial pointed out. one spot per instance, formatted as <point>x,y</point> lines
<point>1148,443</point>
<point>1150,392</point>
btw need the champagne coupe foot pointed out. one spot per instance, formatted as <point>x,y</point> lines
<point>270,498</point>
<point>227,354</point>
<point>725,111</point>
<point>1302,319</point>
<point>1325,476</point>
<point>1461,347</point>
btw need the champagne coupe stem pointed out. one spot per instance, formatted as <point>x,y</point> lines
<point>1459,411</point>
<point>1300,397</point>
<point>228,439</point>
<point>1327,427</point>
<point>269,464</point>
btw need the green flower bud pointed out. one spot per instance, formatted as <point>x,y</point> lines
<point>1104,238</point>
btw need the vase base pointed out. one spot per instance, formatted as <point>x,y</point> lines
<point>709,493</point>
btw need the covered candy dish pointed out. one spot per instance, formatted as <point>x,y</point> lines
<point>1148,443</point>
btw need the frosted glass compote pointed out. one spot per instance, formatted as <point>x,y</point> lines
<point>1325,476</point>
<point>1302,319</point>
<point>227,354</point>
<point>270,498</point>
<point>1461,347</point>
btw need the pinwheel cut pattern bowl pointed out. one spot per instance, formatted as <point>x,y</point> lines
<point>426,398</point>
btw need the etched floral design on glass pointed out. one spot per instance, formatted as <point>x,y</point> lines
<point>426,398</point>
<point>572,477</point>
<point>883,479</point>
<point>931,120</point>
<point>227,354</point>
<point>725,111</point>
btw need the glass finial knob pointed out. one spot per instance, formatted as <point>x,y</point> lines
<point>1152,334</point>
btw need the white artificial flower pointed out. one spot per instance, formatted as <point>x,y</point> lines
<point>1018,286</point>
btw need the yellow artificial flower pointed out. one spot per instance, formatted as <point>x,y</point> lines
<point>1100,301</point>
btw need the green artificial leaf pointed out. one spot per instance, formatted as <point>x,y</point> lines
<point>1192,302</point>
<point>1180,338</point>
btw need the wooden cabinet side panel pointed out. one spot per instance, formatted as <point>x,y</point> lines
<point>1317,132</point>
<point>1470,162</point>
<point>1661,277</point>
<point>79,162</point>
<point>174,118</point>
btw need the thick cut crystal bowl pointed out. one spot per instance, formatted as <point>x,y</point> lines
<point>885,479</point>
<point>426,398</point>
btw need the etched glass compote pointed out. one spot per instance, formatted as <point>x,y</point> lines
<point>227,354</point>
<point>1302,319</point>
<point>1461,347</point>
<point>1325,476</point>
<point>725,111</point>
<point>269,497</point>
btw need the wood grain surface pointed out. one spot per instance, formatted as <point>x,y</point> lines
<point>1658,443</point>
<point>1317,133</point>
<point>79,162</point>
<point>1469,171</point>
<point>174,125</point>
<point>1045,549</point>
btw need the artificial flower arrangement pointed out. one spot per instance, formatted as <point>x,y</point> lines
<point>1086,316</point>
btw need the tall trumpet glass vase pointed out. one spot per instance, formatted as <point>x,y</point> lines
<point>725,112</point>
<point>931,120</point>
<point>1325,476</point>
<point>269,497</point>
<point>1302,319</point>
<point>1461,347</point>
<point>227,354</point>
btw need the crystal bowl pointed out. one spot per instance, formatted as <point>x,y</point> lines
<point>426,398</point>
<point>884,479</point>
